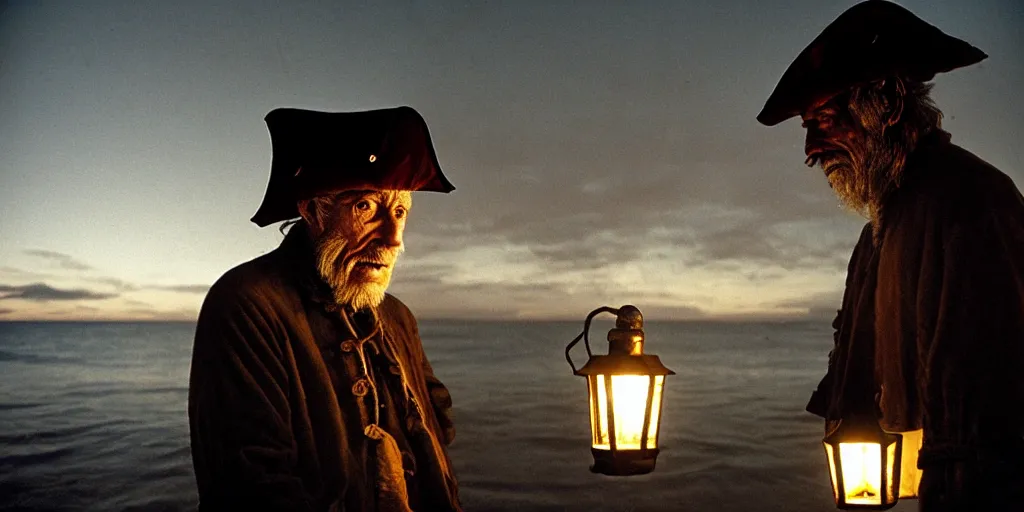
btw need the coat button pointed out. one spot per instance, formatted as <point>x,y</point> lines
<point>347,346</point>
<point>361,387</point>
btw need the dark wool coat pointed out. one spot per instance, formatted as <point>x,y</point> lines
<point>931,331</point>
<point>277,416</point>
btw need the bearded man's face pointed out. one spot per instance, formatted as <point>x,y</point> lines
<point>846,137</point>
<point>357,238</point>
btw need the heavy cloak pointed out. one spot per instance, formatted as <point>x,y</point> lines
<point>930,335</point>
<point>269,428</point>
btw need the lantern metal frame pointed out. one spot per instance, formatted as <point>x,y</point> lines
<point>625,357</point>
<point>864,431</point>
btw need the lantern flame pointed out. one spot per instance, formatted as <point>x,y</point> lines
<point>862,469</point>
<point>629,399</point>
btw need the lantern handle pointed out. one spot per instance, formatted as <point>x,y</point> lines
<point>585,334</point>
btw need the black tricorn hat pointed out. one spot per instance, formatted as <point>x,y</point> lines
<point>870,41</point>
<point>320,153</point>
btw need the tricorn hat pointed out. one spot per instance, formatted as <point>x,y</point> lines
<point>319,153</point>
<point>870,41</point>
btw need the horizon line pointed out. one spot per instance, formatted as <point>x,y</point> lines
<point>734,320</point>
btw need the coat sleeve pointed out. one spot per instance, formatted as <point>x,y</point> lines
<point>972,356</point>
<point>820,401</point>
<point>243,449</point>
<point>440,397</point>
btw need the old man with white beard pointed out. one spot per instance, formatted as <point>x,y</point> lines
<point>929,341</point>
<point>309,387</point>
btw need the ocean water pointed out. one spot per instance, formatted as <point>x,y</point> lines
<point>93,417</point>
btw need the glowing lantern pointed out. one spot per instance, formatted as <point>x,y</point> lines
<point>864,463</point>
<point>625,389</point>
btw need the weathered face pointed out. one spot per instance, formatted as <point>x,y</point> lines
<point>358,238</point>
<point>847,140</point>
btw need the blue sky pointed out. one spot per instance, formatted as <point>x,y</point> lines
<point>603,152</point>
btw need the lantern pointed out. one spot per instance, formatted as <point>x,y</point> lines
<point>864,463</point>
<point>625,389</point>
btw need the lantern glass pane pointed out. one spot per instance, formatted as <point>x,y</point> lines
<point>629,402</point>
<point>890,461</point>
<point>598,411</point>
<point>862,472</point>
<point>831,455</point>
<point>652,433</point>
<point>910,476</point>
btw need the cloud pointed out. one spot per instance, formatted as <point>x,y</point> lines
<point>820,305</point>
<point>118,284</point>
<point>589,215</point>
<point>430,295</point>
<point>580,235</point>
<point>655,312</point>
<point>581,201</point>
<point>144,312</point>
<point>183,288</point>
<point>64,261</point>
<point>175,315</point>
<point>5,311</point>
<point>141,310</point>
<point>40,292</point>
<point>18,273</point>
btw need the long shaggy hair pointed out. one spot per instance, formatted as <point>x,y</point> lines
<point>879,163</point>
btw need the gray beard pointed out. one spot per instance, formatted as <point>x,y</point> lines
<point>328,251</point>
<point>863,180</point>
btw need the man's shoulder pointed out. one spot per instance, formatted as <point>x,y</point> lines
<point>393,310</point>
<point>394,307</point>
<point>258,279</point>
<point>956,181</point>
<point>957,167</point>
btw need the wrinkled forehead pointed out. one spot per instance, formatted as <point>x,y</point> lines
<point>828,103</point>
<point>403,197</point>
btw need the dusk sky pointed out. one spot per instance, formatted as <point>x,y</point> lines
<point>603,153</point>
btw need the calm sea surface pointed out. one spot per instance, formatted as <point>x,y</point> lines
<point>93,417</point>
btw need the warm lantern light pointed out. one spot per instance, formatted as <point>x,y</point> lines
<point>864,464</point>
<point>625,391</point>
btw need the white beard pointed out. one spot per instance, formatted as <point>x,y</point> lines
<point>862,181</point>
<point>358,296</point>
<point>361,296</point>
